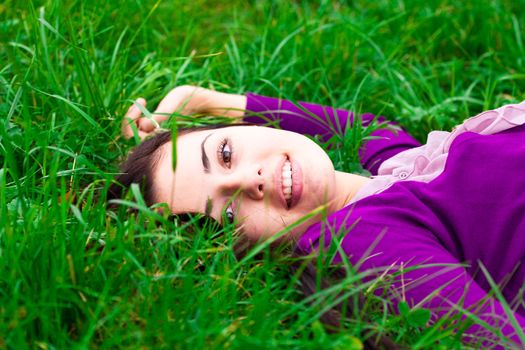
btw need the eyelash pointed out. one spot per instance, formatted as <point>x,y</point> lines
<point>225,159</point>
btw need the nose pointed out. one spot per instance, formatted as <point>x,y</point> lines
<point>248,180</point>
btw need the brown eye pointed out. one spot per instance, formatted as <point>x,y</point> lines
<point>225,153</point>
<point>230,216</point>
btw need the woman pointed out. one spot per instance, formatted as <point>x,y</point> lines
<point>452,207</point>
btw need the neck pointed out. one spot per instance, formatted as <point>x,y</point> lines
<point>347,186</point>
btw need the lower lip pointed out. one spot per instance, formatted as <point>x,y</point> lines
<point>297,183</point>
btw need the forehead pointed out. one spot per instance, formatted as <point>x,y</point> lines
<point>182,188</point>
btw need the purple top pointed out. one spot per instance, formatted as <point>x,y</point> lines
<point>313,119</point>
<point>426,162</point>
<point>467,218</point>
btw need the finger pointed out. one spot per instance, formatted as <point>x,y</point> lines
<point>142,134</point>
<point>147,125</point>
<point>169,104</point>
<point>132,116</point>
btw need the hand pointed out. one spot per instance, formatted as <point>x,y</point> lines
<point>186,100</point>
<point>131,120</point>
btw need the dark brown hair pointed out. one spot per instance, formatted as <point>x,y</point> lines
<point>138,168</point>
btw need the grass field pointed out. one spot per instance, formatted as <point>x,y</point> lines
<point>76,275</point>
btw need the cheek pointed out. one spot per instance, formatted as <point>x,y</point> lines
<point>258,221</point>
<point>264,223</point>
<point>255,232</point>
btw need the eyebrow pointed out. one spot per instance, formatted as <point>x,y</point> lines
<point>204,156</point>
<point>206,165</point>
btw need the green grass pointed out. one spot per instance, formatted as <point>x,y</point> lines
<point>75,275</point>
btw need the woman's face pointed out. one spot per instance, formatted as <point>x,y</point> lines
<point>263,178</point>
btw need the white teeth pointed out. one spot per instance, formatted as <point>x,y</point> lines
<point>287,180</point>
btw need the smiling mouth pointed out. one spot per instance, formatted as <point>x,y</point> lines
<point>287,182</point>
